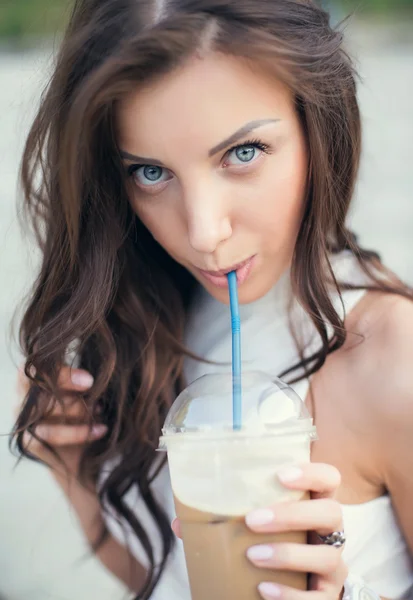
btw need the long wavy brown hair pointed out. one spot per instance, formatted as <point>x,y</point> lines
<point>104,282</point>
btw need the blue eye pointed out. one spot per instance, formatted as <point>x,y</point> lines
<point>149,175</point>
<point>248,152</point>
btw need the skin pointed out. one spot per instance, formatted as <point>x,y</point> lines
<point>209,214</point>
<point>69,441</point>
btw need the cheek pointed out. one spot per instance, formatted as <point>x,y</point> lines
<point>164,225</point>
<point>278,209</point>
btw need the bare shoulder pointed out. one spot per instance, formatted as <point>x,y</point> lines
<point>379,350</point>
<point>362,398</point>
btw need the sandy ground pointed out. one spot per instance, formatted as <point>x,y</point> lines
<point>42,552</point>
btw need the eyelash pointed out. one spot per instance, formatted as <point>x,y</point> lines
<point>132,168</point>
<point>254,143</point>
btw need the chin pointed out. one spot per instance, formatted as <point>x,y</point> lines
<point>252,294</point>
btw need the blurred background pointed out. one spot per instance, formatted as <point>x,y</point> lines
<point>42,552</point>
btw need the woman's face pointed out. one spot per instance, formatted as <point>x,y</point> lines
<point>218,169</point>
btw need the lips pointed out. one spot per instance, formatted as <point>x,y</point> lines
<point>219,278</point>
<point>223,272</point>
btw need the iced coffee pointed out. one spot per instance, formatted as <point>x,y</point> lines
<point>219,475</point>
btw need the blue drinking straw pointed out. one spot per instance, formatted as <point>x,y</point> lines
<point>236,351</point>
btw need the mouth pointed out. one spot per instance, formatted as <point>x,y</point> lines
<point>219,278</point>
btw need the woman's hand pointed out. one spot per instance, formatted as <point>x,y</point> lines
<point>68,428</point>
<point>69,425</point>
<point>322,515</point>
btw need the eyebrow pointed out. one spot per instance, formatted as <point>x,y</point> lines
<point>141,159</point>
<point>240,133</point>
<point>243,131</point>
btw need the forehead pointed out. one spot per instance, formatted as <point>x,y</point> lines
<point>205,99</point>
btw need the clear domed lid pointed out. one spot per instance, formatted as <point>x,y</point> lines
<point>268,405</point>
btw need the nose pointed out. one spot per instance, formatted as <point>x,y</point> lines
<point>209,224</point>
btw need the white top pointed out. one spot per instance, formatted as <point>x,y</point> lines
<point>375,547</point>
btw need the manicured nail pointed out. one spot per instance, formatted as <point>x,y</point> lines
<point>263,516</point>
<point>260,553</point>
<point>269,590</point>
<point>287,474</point>
<point>82,379</point>
<point>99,430</point>
<point>175,527</point>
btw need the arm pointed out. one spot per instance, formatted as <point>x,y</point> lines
<point>68,441</point>
<point>115,557</point>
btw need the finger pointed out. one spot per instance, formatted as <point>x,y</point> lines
<point>272,591</point>
<point>75,380</point>
<point>69,379</point>
<point>323,516</point>
<point>322,560</point>
<point>176,528</point>
<point>70,435</point>
<point>335,579</point>
<point>321,479</point>
<point>70,407</point>
<point>69,454</point>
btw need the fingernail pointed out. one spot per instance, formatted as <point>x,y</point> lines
<point>260,552</point>
<point>99,430</point>
<point>269,590</point>
<point>263,516</point>
<point>82,378</point>
<point>287,474</point>
<point>175,528</point>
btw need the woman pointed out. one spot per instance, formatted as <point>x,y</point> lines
<point>178,140</point>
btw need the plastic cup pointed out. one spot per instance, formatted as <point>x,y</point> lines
<point>219,475</point>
